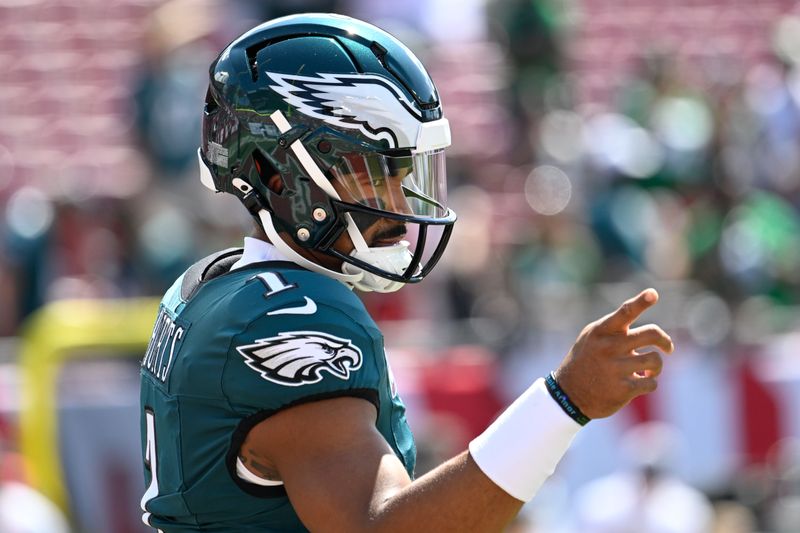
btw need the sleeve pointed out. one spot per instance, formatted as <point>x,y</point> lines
<point>284,359</point>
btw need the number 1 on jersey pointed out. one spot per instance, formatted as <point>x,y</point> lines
<point>274,283</point>
<point>151,461</point>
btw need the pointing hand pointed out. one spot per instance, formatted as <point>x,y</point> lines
<point>611,363</point>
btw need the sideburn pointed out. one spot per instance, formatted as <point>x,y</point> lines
<point>363,220</point>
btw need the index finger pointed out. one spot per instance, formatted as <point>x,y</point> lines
<point>627,313</point>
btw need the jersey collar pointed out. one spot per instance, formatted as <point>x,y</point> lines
<point>257,251</point>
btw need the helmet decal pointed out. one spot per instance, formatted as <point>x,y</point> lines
<point>217,154</point>
<point>369,103</point>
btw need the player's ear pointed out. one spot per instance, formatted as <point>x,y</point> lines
<point>268,174</point>
<point>275,183</point>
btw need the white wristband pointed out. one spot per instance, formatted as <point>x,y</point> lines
<point>523,446</point>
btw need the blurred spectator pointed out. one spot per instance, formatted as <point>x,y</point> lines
<point>181,40</point>
<point>783,515</point>
<point>22,508</point>
<point>732,517</point>
<point>530,33</point>
<point>646,499</point>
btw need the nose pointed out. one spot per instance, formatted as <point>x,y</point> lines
<point>397,198</point>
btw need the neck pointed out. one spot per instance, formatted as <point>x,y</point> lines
<point>315,256</point>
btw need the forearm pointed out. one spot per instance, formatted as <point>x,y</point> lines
<point>455,496</point>
<point>483,489</point>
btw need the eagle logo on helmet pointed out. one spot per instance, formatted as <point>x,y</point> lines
<point>299,357</point>
<point>371,104</point>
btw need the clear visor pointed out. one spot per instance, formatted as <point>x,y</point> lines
<point>408,184</point>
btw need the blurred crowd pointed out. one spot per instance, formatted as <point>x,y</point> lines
<point>599,148</point>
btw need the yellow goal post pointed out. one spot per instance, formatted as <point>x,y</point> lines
<point>51,337</point>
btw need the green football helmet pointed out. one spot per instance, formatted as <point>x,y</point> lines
<point>348,123</point>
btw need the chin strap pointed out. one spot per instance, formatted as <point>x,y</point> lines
<point>394,259</point>
<point>289,252</point>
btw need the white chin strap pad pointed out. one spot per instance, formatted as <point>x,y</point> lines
<point>286,250</point>
<point>394,259</point>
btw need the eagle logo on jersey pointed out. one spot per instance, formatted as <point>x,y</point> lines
<point>371,104</point>
<point>300,357</point>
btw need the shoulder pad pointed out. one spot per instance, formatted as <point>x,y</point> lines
<point>208,268</point>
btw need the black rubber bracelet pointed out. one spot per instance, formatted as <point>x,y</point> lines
<point>562,399</point>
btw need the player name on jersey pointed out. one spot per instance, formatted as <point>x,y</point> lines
<point>164,345</point>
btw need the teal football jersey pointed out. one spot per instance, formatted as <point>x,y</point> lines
<point>231,348</point>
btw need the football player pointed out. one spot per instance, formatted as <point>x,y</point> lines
<point>267,399</point>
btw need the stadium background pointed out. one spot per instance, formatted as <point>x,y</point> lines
<point>599,147</point>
